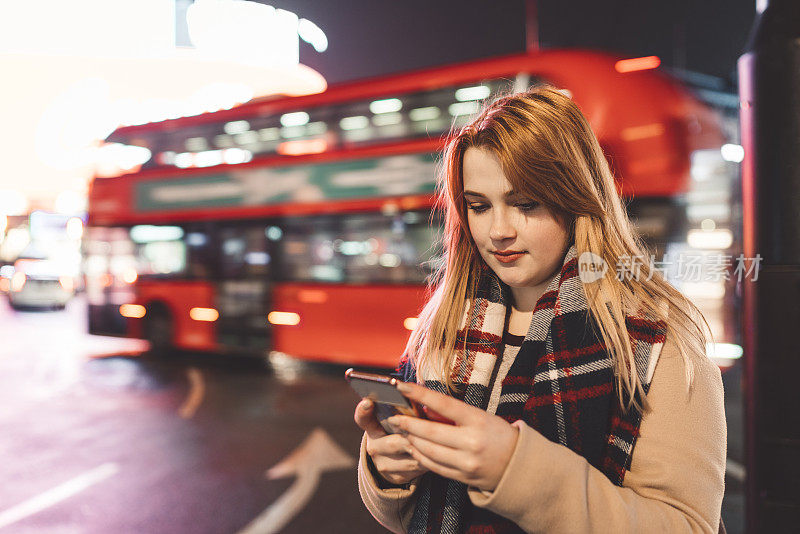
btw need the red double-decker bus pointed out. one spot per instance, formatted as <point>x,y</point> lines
<point>303,226</point>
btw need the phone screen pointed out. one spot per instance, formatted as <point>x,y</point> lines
<point>383,392</point>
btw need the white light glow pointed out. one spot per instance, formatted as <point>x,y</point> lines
<point>710,239</point>
<point>146,233</point>
<point>389,260</point>
<point>257,34</point>
<point>463,108</point>
<point>297,118</point>
<point>387,105</point>
<point>269,134</point>
<point>703,290</point>
<point>236,127</point>
<point>16,240</point>
<point>708,211</point>
<point>75,28</point>
<point>246,138</point>
<point>196,239</point>
<point>129,276</point>
<point>731,152</point>
<point>110,158</point>
<point>387,119</point>
<point>312,34</point>
<point>424,114</point>
<point>233,156</point>
<point>208,158</point>
<point>728,351</point>
<point>68,94</point>
<point>70,202</point>
<point>13,202</point>
<point>74,229</point>
<point>708,224</point>
<point>354,248</point>
<point>292,132</point>
<point>478,92</point>
<point>354,123</point>
<point>257,258</point>
<point>184,160</point>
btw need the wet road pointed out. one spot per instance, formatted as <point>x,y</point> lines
<point>97,439</point>
<point>123,444</point>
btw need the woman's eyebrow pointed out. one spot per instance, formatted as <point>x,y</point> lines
<point>508,194</point>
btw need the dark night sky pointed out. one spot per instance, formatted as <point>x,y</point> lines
<point>373,37</point>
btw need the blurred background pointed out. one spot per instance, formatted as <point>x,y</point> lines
<point>210,209</point>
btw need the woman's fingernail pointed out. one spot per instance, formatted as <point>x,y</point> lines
<point>366,405</point>
<point>404,387</point>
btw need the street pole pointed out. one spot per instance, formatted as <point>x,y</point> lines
<point>769,86</point>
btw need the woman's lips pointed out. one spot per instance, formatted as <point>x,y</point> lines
<point>508,256</point>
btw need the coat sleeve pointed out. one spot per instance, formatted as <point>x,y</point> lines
<point>677,475</point>
<point>391,507</point>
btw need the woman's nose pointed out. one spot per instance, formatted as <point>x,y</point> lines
<point>502,228</point>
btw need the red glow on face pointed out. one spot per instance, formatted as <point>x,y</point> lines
<point>639,63</point>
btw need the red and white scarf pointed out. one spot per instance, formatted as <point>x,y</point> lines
<point>561,383</point>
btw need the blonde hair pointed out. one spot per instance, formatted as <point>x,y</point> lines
<point>549,153</point>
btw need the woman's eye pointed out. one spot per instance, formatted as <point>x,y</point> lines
<point>527,206</point>
<point>477,208</point>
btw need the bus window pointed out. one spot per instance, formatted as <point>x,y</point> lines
<point>244,252</point>
<point>160,250</point>
<point>364,248</point>
<point>110,268</point>
<point>377,248</point>
<point>201,259</point>
<point>420,114</point>
<point>308,250</point>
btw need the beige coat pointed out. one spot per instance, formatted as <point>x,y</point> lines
<point>675,484</point>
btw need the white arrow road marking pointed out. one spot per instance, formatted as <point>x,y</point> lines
<point>317,454</point>
<point>197,389</point>
<point>56,495</point>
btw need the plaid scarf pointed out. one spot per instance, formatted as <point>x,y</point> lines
<point>561,383</point>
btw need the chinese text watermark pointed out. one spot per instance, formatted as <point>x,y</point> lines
<point>683,267</point>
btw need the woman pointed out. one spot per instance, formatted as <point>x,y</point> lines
<point>575,374</point>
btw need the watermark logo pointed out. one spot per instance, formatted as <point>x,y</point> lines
<point>683,268</point>
<point>591,267</point>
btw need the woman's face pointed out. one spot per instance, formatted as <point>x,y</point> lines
<point>520,240</point>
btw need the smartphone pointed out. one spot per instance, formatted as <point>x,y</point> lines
<point>382,390</point>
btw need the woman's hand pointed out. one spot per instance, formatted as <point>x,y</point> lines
<point>476,450</point>
<point>389,452</point>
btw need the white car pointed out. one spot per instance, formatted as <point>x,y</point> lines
<point>37,284</point>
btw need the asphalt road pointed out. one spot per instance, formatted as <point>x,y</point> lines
<point>98,439</point>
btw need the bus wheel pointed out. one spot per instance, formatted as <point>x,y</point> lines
<point>158,331</point>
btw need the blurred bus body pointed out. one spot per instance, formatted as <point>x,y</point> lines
<point>302,225</point>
